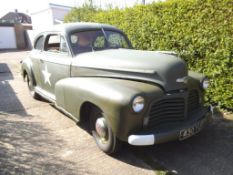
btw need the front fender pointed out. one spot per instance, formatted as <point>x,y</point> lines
<point>196,79</point>
<point>194,82</point>
<point>113,96</point>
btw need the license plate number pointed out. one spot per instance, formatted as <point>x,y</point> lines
<point>186,133</point>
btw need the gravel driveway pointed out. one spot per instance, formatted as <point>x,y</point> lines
<point>35,138</point>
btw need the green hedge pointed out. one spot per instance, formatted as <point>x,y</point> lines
<point>201,31</point>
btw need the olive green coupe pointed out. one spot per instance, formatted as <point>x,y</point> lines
<point>91,73</point>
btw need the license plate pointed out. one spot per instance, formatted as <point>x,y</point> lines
<point>186,133</point>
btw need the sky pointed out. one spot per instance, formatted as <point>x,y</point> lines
<point>30,6</point>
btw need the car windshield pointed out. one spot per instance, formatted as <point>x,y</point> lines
<point>89,41</point>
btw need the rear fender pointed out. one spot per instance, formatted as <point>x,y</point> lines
<point>26,67</point>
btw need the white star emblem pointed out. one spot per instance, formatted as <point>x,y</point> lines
<point>46,75</point>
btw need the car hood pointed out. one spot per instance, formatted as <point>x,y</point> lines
<point>162,68</point>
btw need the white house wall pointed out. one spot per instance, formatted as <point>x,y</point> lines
<point>59,14</point>
<point>7,38</point>
<point>42,20</point>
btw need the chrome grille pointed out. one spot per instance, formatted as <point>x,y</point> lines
<point>167,110</point>
<point>193,100</point>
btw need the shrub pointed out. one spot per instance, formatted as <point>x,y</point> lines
<point>201,31</point>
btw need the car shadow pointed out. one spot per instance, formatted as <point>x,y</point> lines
<point>27,147</point>
<point>209,152</point>
<point>9,102</point>
<point>30,148</point>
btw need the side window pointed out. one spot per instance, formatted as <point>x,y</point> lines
<point>39,43</point>
<point>56,43</point>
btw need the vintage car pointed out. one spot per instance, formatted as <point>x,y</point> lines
<point>91,73</point>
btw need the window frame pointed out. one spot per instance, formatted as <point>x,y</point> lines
<point>94,29</point>
<point>46,40</point>
<point>36,41</point>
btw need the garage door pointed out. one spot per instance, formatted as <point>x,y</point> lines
<point>7,38</point>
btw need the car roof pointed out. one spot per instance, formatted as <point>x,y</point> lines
<point>78,26</point>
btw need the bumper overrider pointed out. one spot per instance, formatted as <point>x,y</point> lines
<point>181,132</point>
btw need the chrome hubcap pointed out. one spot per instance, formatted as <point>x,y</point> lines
<point>101,128</point>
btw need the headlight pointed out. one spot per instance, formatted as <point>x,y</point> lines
<point>138,104</point>
<point>205,83</point>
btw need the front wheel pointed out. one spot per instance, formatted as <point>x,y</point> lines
<point>102,132</point>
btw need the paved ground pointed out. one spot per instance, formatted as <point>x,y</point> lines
<point>37,139</point>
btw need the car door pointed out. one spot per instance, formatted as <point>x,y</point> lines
<point>54,63</point>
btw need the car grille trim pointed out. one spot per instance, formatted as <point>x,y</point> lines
<point>172,109</point>
<point>193,100</point>
<point>166,110</point>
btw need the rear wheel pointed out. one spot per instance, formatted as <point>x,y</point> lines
<point>31,87</point>
<point>102,132</point>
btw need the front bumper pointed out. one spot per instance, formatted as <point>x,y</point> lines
<point>199,120</point>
